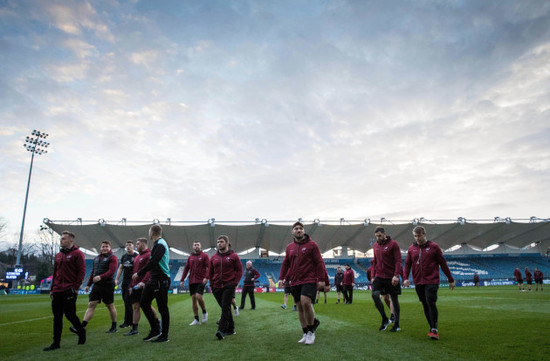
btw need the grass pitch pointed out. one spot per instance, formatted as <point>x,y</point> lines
<point>487,323</point>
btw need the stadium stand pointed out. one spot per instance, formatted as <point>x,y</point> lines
<point>463,267</point>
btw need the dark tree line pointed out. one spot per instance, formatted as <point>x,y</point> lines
<point>36,258</point>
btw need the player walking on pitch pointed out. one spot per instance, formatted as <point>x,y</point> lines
<point>304,269</point>
<point>424,258</point>
<point>68,273</point>
<point>197,267</point>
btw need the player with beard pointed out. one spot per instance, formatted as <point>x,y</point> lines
<point>225,272</point>
<point>386,270</point>
<point>304,268</point>
<point>197,267</point>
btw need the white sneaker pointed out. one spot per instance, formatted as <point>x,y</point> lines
<point>204,317</point>
<point>310,338</point>
<point>237,311</point>
<point>195,322</point>
<point>303,339</point>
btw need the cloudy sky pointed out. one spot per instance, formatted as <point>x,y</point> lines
<point>275,109</point>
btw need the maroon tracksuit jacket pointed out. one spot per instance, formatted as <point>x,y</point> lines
<point>528,276</point>
<point>69,270</point>
<point>303,263</point>
<point>197,266</point>
<point>349,277</point>
<point>387,259</point>
<point>225,269</point>
<point>425,261</point>
<point>139,262</point>
<point>517,275</point>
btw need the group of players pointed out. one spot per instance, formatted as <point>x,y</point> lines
<point>529,279</point>
<point>303,273</point>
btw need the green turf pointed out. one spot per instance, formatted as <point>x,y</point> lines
<point>488,323</point>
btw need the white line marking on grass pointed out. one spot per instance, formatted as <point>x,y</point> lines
<point>23,321</point>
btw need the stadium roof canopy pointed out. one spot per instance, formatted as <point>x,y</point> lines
<point>275,235</point>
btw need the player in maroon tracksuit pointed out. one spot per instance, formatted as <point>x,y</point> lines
<point>386,269</point>
<point>68,273</point>
<point>528,278</point>
<point>538,279</point>
<point>348,283</point>
<point>225,273</point>
<point>304,268</point>
<point>519,280</point>
<point>137,284</point>
<point>424,258</point>
<point>197,266</point>
<point>385,296</point>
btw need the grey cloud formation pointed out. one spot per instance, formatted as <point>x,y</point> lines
<point>280,110</point>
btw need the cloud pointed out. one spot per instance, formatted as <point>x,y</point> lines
<point>340,109</point>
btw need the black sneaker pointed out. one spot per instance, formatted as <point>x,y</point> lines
<point>161,339</point>
<point>73,330</point>
<point>220,335</point>
<point>112,330</point>
<point>131,333</point>
<point>316,324</point>
<point>52,347</point>
<point>384,325</point>
<point>152,336</point>
<point>395,328</point>
<point>124,325</point>
<point>82,337</point>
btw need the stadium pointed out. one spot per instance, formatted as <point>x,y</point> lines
<point>490,248</point>
<point>477,323</point>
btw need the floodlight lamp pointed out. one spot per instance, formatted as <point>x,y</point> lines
<point>316,221</point>
<point>46,220</point>
<point>257,220</point>
<point>79,220</point>
<point>366,222</point>
<point>101,222</point>
<point>416,221</point>
<point>156,221</point>
<point>508,220</point>
<point>264,221</point>
<point>462,221</point>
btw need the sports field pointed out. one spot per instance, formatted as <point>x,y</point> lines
<point>488,323</point>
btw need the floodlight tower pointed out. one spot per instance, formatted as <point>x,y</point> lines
<point>36,145</point>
